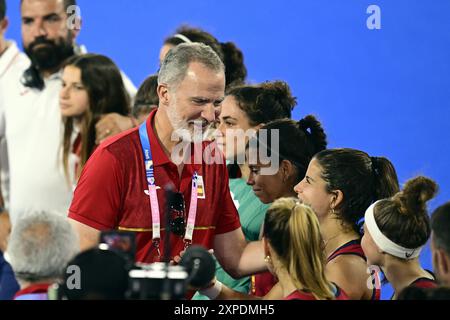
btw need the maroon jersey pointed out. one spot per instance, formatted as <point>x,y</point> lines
<point>354,248</point>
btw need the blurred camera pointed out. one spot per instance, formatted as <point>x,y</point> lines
<point>109,272</point>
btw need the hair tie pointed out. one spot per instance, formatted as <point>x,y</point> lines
<point>375,169</point>
<point>304,127</point>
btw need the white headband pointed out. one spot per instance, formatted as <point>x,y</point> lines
<point>383,242</point>
<point>182,37</point>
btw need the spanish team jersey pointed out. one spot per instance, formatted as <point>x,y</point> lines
<point>425,283</point>
<point>112,193</point>
<point>339,294</point>
<point>33,292</point>
<point>262,283</point>
<point>353,247</point>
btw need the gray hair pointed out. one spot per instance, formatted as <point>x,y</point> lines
<point>175,65</point>
<point>41,245</point>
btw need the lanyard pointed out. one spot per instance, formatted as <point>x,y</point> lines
<point>150,174</point>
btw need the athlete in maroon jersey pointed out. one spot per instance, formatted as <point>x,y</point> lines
<point>340,184</point>
<point>396,229</point>
<point>293,247</point>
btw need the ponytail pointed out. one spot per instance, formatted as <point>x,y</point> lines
<point>385,178</point>
<point>293,232</point>
<point>360,178</point>
<point>314,132</point>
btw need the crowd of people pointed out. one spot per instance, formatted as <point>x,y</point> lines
<point>82,152</point>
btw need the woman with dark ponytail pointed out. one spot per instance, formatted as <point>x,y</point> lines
<point>245,110</point>
<point>295,144</point>
<point>292,145</point>
<point>340,184</point>
<point>395,231</point>
<point>289,145</point>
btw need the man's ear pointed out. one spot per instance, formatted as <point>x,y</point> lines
<point>163,94</point>
<point>4,25</point>
<point>443,262</point>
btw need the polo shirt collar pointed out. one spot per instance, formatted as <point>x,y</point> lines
<point>34,288</point>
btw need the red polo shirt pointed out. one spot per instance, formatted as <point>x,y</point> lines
<point>112,193</point>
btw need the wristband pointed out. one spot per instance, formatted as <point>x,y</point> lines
<point>212,292</point>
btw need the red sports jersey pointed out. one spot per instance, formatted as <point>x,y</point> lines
<point>424,282</point>
<point>262,283</point>
<point>301,295</point>
<point>112,193</point>
<point>354,248</point>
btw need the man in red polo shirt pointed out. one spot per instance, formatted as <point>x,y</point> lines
<point>122,185</point>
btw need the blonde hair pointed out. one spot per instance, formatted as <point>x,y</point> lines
<point>293,232</point>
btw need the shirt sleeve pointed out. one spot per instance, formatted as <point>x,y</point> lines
<point>97,198</point>
<point>228,215</point>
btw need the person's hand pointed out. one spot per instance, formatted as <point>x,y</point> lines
<point>177,259</point>
<point>5,230</point>
<point>112,124</point>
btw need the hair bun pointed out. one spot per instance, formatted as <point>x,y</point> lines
<point>416,193</point>
<point>314,131</point>
<point>280,93</point>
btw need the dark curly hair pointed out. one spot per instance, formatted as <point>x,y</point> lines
<point>264,102</point>
<point>298,141</point>
<point>362,180</point>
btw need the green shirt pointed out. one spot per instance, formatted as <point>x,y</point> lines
<point>251,213</point>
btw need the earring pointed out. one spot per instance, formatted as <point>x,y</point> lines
<point>268,259</point>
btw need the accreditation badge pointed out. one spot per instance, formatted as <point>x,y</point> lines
<point>200,188</point>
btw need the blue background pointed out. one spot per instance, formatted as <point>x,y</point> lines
<point>385,91</point>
